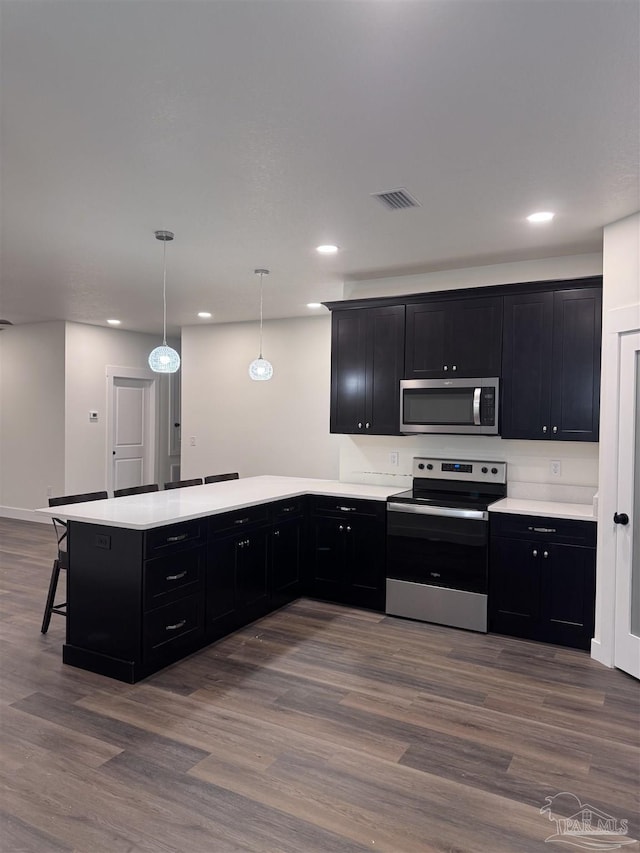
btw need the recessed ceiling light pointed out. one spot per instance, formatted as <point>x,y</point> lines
<point>542,216</point>
<point>204,314</point>
<point>113,322</point>
<point>327,250</point>
<point>314,304</point>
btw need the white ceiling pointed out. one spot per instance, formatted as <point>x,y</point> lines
<point>258,130</point>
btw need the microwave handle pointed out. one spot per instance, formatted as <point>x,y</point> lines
<point>476,406</point>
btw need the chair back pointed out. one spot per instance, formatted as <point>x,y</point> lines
<point>218,478</point>
<point>179,484</point>
<point>59,525</point>
<point>136,490</point>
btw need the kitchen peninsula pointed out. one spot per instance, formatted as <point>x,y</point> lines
<point>155,577</point>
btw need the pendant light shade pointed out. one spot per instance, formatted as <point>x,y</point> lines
<point>260,369</point>
<point>164,359</point>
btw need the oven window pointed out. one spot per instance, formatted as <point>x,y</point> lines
<point>438,406</point>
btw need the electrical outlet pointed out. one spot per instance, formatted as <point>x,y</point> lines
<point>49,491</point>
<point>394,458</point>
<point>93,416</point>
<point>556,468</point>
<point>192,441</point>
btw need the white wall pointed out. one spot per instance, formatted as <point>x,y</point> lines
<point>32,365</point>
<point>89,349</point>
<point>366,458</point>
<point>621,290</point>
<point>275,427</point>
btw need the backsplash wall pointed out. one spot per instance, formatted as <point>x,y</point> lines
<point>366,459</point>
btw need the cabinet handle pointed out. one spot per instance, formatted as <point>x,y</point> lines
<point>454,367</point>
<point>346,508</point>
<point>545,554</point>
<point>348,529</point>
<point>555,429</point>
<point>445,367</point>
<point>176,577</point>
<point>544,429</point>
<point>542,529</point>
<point>359,425</point>
<point>367,425</point>
<point>241,520</point>
<point>435,574</point>
<point>288,509</point>
<point>175,627</point>
<point>177,538</point>
<point>535,552</point>
<point>340,527</point>
<point>276,533</point>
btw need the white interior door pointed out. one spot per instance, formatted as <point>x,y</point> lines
<point>627,601</point>
<point>132,433</point>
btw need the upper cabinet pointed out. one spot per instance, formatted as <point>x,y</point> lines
<point>454,337</point>
<point>367,360</point>
<point>551,364</point>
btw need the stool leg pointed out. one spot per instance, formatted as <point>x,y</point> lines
<point>53,583</point>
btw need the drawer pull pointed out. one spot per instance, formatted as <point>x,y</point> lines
<point>435,574</point>
<point>177,538</point>
<point>288,509</point>
<point>346,508</point>
<point>241,520</point>
<point>176,577</point>
<point>542,529</point>
<point>177,626</point>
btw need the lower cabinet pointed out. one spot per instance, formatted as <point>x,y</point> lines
<point>346,544</point>
<point>542,579</point>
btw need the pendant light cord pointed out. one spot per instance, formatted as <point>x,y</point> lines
<point>164,293</point>
<point>261,274</point>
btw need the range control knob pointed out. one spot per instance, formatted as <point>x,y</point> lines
<point>421,466</point>
<point>494,470</point>
<point>430,466</point>
<point>484,469</point>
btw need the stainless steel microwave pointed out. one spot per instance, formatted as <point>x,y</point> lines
<point>449,406</point>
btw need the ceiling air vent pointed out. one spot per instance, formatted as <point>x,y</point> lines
<point>396,199</point>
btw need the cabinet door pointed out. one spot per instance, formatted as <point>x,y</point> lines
<point>475,335</point>
<point>568,595</point>
<point>252,589</point>
<point>327,561</point>
<point>220,584</point>
<point>514,587</point>
<point>385,368</point>
<point>526,366</point>
<point>427,329</point>
<point>348,371</point>
<point>575,400</point>
<point>365,562</point>
<point>286,561</point>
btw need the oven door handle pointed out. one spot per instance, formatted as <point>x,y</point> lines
<point>450,512</point>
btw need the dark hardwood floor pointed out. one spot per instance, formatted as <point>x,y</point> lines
<point>318,729</point>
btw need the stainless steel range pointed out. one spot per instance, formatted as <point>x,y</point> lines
<point>438,542</point>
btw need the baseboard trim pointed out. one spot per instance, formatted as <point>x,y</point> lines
<point>23,514</point>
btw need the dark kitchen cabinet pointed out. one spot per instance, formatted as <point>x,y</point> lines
<point>287,550</point>
<point>542,579</point>
<point>367,362</point>
<point>237,582</point>
<point>454,338</point>
<point>551,364</point>
<point>347,551</point>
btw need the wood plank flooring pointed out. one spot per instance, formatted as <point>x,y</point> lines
<point>318,729</point>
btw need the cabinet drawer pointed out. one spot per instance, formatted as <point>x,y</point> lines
<point>171,577</point>
<point>174,624</point>
<point>344,507</point>
<point>173,537</point>
<point>239,519</point>
<point>539,528</point>
<point>293,508</point>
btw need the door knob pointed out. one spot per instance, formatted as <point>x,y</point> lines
<point>621,518</point>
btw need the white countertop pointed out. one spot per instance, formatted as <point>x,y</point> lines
<point>551,509</point>
<point>155,509</point>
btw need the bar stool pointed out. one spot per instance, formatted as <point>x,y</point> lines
<point>61,562</point>
<point>218,478</point>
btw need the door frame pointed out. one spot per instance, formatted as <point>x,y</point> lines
<point>617,323</point>
<point>114,372</point>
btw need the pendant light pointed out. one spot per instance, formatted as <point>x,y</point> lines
<point>164,359</point>
<point>260,369</point>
